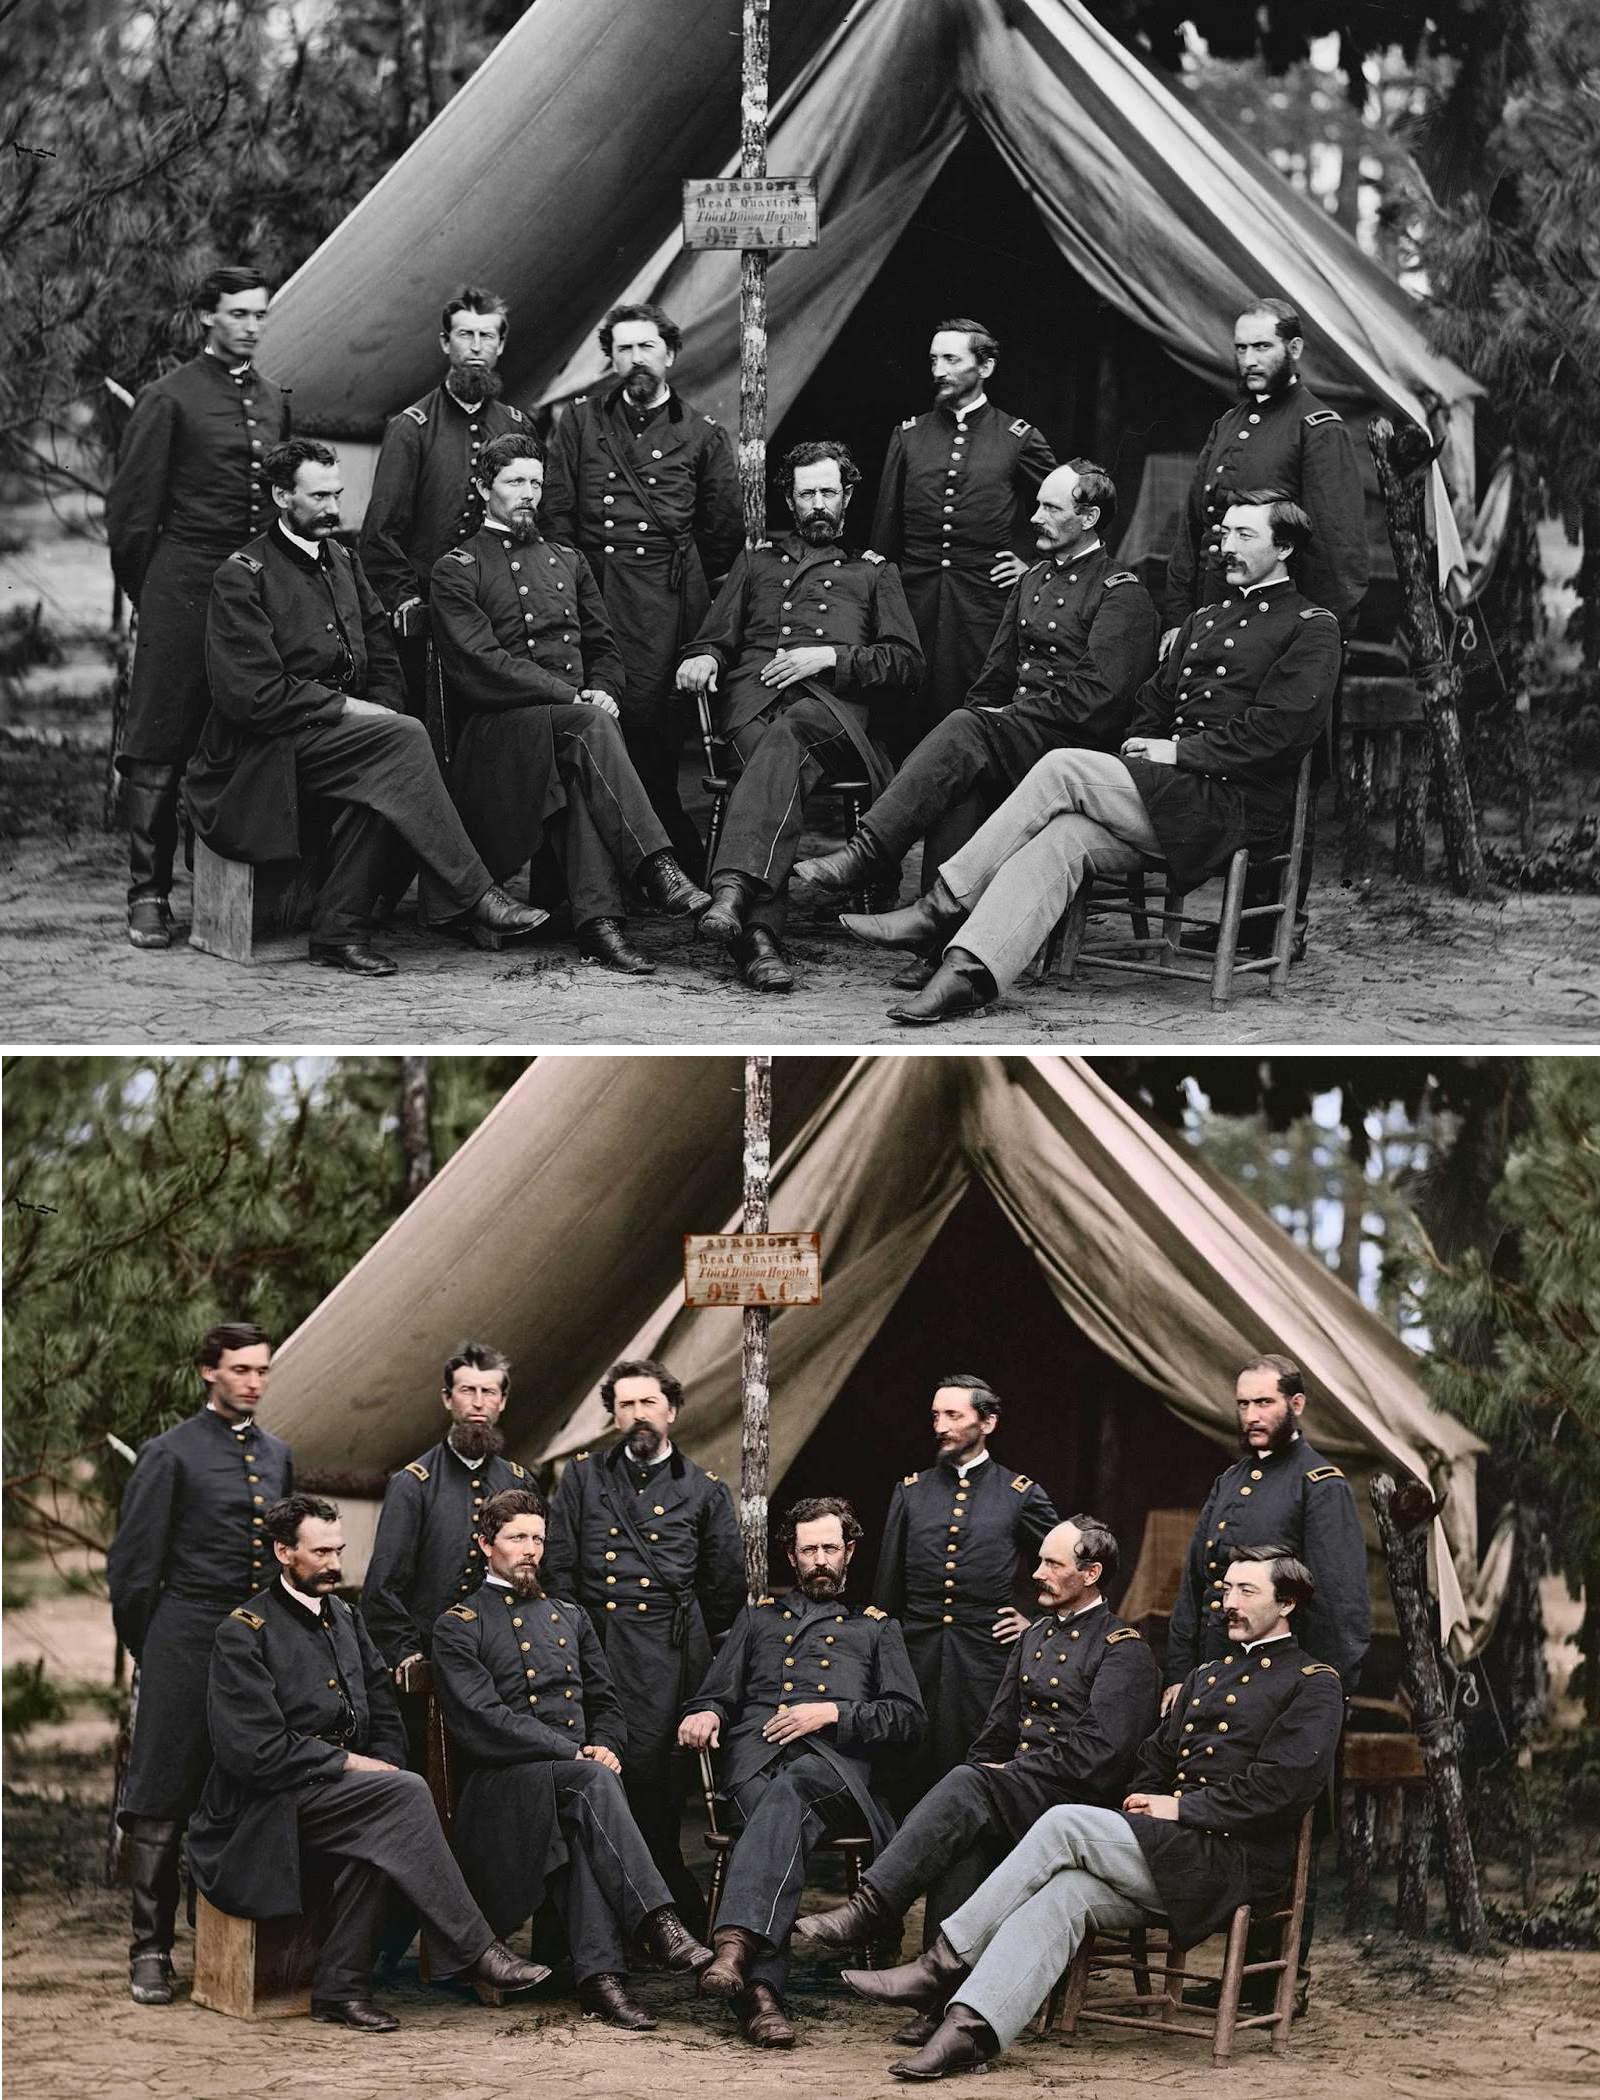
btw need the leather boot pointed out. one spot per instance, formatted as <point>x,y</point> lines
<point>606,1998</point>
<point>857,864</point>
<point>153,1871</point>
<point>858,1923</point>
<point>733,1951</point>
<point>762,2019</point>
<point>669,889</point>
<point>150,798</point>
<point>928,1983</point>
<point>731,897</point>
<point>922,2028</point>
<point>963,2041</point>
<point>761,962</point>
<point>928,923</point>
<point>664,1938</point>
<point>960,986</point>
<point>496,913</point>
<point>498,1969</point>
<point>917,974</point>
<point>606,941</point>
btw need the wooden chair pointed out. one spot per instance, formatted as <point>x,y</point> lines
<point>1143,953</point>
<point>722,771</point>
<point>854,1851</point>
<point>1132,1951</point>
<point>440,1769</point>
<point>1383,1782</point>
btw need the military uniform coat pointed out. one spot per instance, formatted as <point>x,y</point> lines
<point>1079,1695</point>
<point>287,640</point>
<point>519,629</point>
<point>1247,1747</point>
<point>1295,445</point>
<point>1246,689</point>
<point>426,1553</point>
<point>1294,1497</point>
<point>954,1554</point>
<point>652,572</point>
<point>657,1625</point>
<point>288,1697</point>
<point>424,499</point>
<point>188,489</point>
<point>191,1543</point>
<point>784,594</point>
<point>789,1651</point>
<point>955,493</point>
<point>524,1686</point>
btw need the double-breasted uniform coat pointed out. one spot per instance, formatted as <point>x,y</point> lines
<point>424,497</point>
<point>426,1553</point>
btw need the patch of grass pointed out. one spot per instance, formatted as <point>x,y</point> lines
<point>1571,1918</point>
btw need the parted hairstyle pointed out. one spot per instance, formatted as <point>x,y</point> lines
<point>1292,1581</point>
<point>1290,1377</point>
<point>218,285</point>
<point>283,462</point>
<point>809,1509</point>
<point>978,1390</point>
<point>1284,317</point>
<point>979,341</point>
<point>667,328</point>
<point>1095,486</point>
<point>1095,1542</point>
<point>283,1519</point>
<point>232,1334</point>
<point>811,454</point>
<point>478,1356</point>
<point>1289,525</point>
<point>499,1510</point>
<point>639,1367</point>
<point>498,454</point>
<point>474,299</point>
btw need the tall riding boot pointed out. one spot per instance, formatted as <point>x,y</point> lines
<point>150,797</point>
<point>153,1865</point>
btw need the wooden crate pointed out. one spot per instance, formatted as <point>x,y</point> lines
<point>251,914</point>
<point>255,1968</point>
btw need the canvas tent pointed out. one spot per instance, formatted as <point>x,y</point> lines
<point>556,1232</point>
<point>554,175</point>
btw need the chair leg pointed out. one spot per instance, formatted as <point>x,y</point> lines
<point>719,1874</point>
<point>719,810</point>
<point>1228,932</point>
<point>1141,917</point>
<point>1066,943</point>
<point>1139,1950</point>
<point>1171,927</point>
<point>1077,1984</point>
<point>1172,1975</point>
<point>1232,1978</point>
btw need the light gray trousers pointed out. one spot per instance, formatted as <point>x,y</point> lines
<point>1077,1867</point>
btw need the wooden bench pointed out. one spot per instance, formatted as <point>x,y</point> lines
<point>256,1968</point>
<point>1384,1781</point>
<point>1387,759</point>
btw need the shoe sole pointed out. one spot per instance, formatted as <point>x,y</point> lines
<point>911,1020</point>
<point>350,2026</point>
<point>329,962</point>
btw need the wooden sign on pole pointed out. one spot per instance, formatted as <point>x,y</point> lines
<point>761,211</point>
<point>752,1268</point>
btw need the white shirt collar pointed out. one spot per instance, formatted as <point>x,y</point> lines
<point>497,1582</point>
<point>311,547</point>
<point>1078,554</point>
<point>233,371</point>
<point>961,414</point>
<point>310,1604</point>
<point>967,1464</point>
<point>1267,583</point>
<point>494,525</point>
<point>648,1465</point>
<point>1082,1608</point>
<point>1270,1641</point>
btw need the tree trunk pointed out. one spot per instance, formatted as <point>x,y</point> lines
<point>415,69</point>
<point>416,1136</point>
<point>1402,459</point>
<point>753,280</point>
<point>1404,1533</point>
<point>755,1449</point>
<point>1586,620</point>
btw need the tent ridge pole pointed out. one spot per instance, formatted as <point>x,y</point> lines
<point>755,1438</point>
<point>753,278</point>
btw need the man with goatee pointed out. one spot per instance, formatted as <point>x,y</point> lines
<point>814,1704</point>
<point>532,677</point>
<point>649,1545</point>
<point>534,1713</point>
<point>425,496</point>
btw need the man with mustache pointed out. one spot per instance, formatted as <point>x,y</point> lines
<point>309,1785</point>
<point>649,1545</point>
<point>425,495</point>
<point>532,674</point>
<point>802,636</point>
<point>1078,1697</point>
<point>647,489</point>
<point>532,1708</point>
<point>1218,1793</point>
<point>955,1543</point>
<point>815,1703</point>
<point>1209,764</point>
<point>958,485</point>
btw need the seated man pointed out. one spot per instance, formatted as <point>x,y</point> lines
<point>1219,1792</point>
<point>798,1767</point>
<point>1076,640</point>
<point>1209,765</point>
<point>800,636</point>
<point>532,677</point>
<point>309,1755</point>
<point>1078,1697</point>
<point>529,1702</point>
<point>307,699</point>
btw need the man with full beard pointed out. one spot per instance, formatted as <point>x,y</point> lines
<point>532,1710</point>
<point>818,1704</point>
<point>649,1545</point>
<point>425,497</point>
<point>802,636</point>
<point>532,676</point>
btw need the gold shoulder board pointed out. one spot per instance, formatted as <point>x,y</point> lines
<point>868,555</point>
<point>518,1470</point>
<point>1021,427</point>
<point>872,1612</point>
<point>580,1454</point>
<point>910,423</point>
<point>1318,612</point>
<point>421,1472</point>
<point>1123,1633</point>
<point>712,1476</point>
<point>461,555</point>
<point>911,1480</point>
<point>416,414</point>
<point>249,1618</point>
<point>515,414</point>
<point>1324,1473</point>
<point>1022,1483</point>
<point>460,1611</point>
<point>246,561</point>
<point>1322,415</point>
<point>765,1600</point>
<point>1122,576</point>
<point>1319,1670</point>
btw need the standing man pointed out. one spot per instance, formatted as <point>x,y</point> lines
<point>532,674</point>
<point>1076,640</point>
<point>190,1545</point>
<point>309,1781</point>
<point>307,700</point>
<point>1209,765</point>
<point>1079,1696</point>
<point>817,1700</point>
<point>1219,1791</point>
<point>425,496</point>
<point>649,1545</point>
<point>802,635</point>
<point>958,486</point>
<point>189,488</point>
<point>957,1541</point>
<point>647,489</point>
<point>534,1713</point>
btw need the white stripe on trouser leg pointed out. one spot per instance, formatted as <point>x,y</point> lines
<point>812,1808</point>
